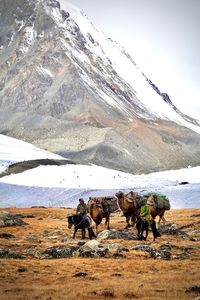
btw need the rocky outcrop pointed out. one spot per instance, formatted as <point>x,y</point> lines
<point>115,234</point>
<point>59,251</point>
<point>171,228</point>
<point>7,219</point>
<point>7,254</point>
<point>167,99</point>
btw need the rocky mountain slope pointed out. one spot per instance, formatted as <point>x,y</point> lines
<point>66,88</point>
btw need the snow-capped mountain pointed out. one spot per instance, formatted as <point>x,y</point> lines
<point>67,88</point>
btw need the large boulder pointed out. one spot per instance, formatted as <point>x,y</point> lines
<point>93,249</point>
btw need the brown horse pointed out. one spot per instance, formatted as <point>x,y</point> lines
<point>128,208</point>
<point>97,212</point>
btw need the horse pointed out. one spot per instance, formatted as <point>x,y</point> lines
<point>81,222</point>
<point>128,208</point>
<point>141,226</point>
<point>98,211</point>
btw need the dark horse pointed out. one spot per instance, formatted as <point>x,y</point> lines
<point>142,225</point>
<point>81,222</point>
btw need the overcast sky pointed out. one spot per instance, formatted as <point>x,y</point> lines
<point>163,38</point>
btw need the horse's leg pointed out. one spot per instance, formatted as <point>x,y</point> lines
<point>138,229</point>
<point>127,222</point>
<point>142,230</point>
<point>107,222</point>
<point>161,217</point>
<point>141,237</point>
<point>83,233</point>
<point>147,229</point>
<point>89,233</point>
<point>96,229</point>
<point>75,230</point>
<point>154,230</point>
<point>133,220</point>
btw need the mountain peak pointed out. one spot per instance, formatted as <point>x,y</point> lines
<point>73,91</point>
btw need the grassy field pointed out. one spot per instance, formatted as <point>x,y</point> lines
<point>135,275</point>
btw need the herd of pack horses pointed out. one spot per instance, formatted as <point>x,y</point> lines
<point>126,203</point>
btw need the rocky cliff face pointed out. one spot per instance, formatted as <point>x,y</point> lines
<point>66,88</point>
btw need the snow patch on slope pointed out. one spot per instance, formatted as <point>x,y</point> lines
<point>13,150</point>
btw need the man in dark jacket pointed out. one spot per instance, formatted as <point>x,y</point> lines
<point>82,208</point>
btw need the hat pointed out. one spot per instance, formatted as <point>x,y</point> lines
<point>80,199</point>
<point>150,202</point>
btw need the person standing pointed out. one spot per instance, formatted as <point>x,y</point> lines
<point>82,208</point>
<point>145,212</point>
<point>155,232</point>
<point>142,223</point>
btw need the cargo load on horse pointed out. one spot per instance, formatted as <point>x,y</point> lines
<point>107,203</point>
<point>137,199</point>
<point>159,201</point>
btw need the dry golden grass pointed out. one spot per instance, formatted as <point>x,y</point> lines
<point>137,276</point>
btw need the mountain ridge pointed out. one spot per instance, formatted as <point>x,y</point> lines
<point>60,90</point>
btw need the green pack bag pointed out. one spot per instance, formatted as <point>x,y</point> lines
<point>161,201</point>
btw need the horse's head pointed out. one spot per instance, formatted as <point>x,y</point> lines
<point>71,220</point>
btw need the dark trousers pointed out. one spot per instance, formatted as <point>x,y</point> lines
<point>154,229</point>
